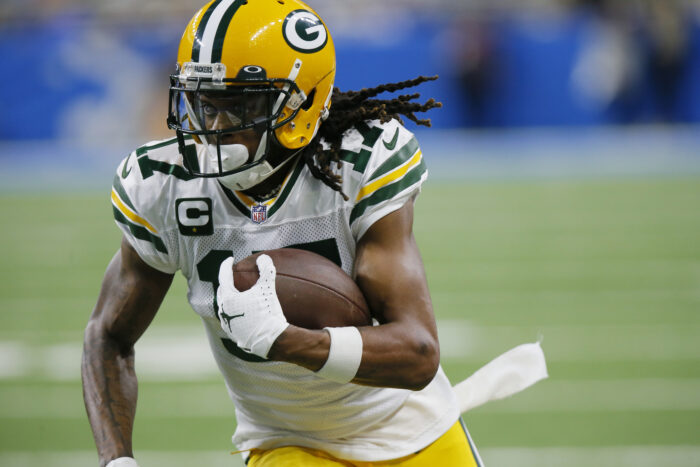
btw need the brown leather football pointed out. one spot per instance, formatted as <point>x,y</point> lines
<point>313,291</point>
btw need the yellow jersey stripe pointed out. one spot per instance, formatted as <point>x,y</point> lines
<point>390,177</point>
<point>250,202</point>
<point>132,216</point>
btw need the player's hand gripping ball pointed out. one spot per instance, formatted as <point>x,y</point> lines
<point>312,291</point>
<point>252,318</point>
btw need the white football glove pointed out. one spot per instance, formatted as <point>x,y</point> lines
<point>252,319</point>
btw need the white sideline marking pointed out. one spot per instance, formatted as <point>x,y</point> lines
<point>581,342</point>
<point>600,456</point>
<point>211,399</point>
<point>12,361</point>
<point>177,353</point>
<point>171,353</point>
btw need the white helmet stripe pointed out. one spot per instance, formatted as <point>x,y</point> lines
<point>207,40</point>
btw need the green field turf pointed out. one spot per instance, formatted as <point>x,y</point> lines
<point>606,272</point>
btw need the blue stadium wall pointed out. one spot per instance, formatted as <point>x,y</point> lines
<point>531,88</point>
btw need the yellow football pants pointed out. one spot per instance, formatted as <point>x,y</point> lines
<point>454,448</point>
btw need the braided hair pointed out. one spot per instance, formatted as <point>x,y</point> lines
<point>350,108</point>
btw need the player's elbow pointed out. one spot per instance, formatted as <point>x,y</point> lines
<point>425,363</point>
<point>94,333</point>
<point>100,340</point>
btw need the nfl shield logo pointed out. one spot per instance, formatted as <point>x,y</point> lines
<point>259,214</point>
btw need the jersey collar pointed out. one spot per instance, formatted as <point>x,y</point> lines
<point>245,203</point>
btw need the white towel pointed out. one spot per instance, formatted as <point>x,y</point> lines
<point>505,375</point>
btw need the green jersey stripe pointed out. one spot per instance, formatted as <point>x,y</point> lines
<point>119,188</point>
<point>387,192</point>
<point>400,157</point>
<point>221,30</point>
<point>200,30</point>
<point>139,232</point>
<point>287,189</point>
<point>236,202</point>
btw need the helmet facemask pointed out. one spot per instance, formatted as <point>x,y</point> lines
<point>279,50</point>
<point>222,114</point>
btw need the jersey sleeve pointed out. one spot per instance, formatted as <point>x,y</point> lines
<point>393,176</point>
<point>135,212</point>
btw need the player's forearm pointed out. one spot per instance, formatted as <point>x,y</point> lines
<point>398,355</point>
<point>303,347</point>
<point>109,392</point>
<point>393,355</point>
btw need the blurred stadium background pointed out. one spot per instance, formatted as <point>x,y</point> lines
<point>563,205</point>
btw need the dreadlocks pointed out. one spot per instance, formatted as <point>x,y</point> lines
<point>352,107</point>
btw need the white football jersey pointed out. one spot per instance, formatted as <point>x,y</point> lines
<point>179,222</point>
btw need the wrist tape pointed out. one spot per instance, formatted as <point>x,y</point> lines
<point>123,462</point>
<point>344,356</point>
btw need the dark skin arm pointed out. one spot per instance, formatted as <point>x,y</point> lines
<point>130,296</point>
<point>403,351</point>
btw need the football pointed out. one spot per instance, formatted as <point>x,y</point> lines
<point>313,291</point>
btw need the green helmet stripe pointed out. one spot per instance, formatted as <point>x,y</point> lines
<point>221,30</point>
<point>200,30</point>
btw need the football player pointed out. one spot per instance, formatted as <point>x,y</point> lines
<point>267,154</point>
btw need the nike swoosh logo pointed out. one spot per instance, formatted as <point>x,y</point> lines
<point>125,173</point>
<point>392,144</point>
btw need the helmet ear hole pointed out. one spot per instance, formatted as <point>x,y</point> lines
<point>309,100</point>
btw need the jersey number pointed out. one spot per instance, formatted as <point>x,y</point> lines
<point>208,270</point>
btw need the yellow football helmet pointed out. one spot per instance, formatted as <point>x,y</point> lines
<point>266,66</point>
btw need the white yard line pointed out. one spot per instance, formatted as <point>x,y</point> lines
<point>581,342</point>
<point>182,353</point>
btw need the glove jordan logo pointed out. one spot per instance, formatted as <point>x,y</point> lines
<point>228,318</point>
<point>194,216</point>
<point>304,32</point>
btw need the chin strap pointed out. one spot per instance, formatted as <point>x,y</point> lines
<point>292,77</point>
<point>255,175</point>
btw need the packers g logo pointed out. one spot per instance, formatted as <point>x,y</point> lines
<point>304,32</point>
